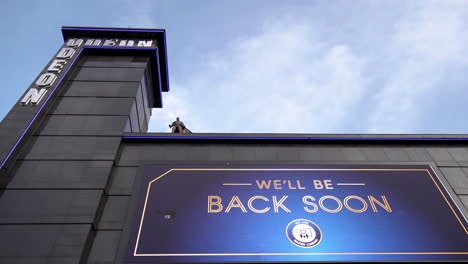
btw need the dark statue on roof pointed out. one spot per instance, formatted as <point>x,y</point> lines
<point>179,127</point>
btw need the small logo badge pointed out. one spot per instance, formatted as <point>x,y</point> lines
<point>303,233</point>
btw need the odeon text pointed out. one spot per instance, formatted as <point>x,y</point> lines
<point>40,87</point>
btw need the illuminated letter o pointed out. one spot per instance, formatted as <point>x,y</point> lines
<point>340,205</point>
<point>363,209</point>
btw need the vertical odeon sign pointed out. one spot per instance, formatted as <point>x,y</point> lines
<point>65,58</point>
<point>44,87</point>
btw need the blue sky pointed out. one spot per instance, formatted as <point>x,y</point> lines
<point>275,66</point>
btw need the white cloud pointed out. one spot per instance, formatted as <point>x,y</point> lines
<point>292,77</point>
<point>425,44</point>
<point>285,79</point>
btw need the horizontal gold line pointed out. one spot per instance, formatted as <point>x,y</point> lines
<point>300,254</point>
<point>219,169</point>
<point>237,183</point>
<point>357,184</point>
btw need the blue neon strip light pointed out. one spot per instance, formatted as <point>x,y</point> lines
<point>116,47</point>
<point>297,138</point>
<point>159,74</point>
<point>60,81</point>
<point>111,29</point>
<point>167,63</point>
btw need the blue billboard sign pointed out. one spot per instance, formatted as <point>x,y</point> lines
<point>295,213</point>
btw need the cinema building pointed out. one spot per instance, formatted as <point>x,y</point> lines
<point>83,182</point>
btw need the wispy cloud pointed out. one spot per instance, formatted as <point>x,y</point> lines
<point>293,76</point>
<point>285,79</point>
<point>424,47</point>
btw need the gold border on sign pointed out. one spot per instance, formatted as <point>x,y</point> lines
<point>292,254</point>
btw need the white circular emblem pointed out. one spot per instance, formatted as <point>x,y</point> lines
<point>303,233</point>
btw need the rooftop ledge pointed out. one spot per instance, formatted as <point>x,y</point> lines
<point>297,137</point>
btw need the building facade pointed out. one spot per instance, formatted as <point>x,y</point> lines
<point>74,150</point>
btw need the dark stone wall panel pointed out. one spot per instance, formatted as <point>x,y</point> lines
<point>94,106</point>
<point>418,154</point>
<point>288,153</point>
<point>196,152</point>
<point>140,107</point>
<point>104,248</point>
<point>75,125</point>
<point>145,100</point>
<point>265,153</point>
<point>134,122</point>
<point>307,154</point>
<point>440,154</point>
<point>115,61</point>
<point>238,153</point>
<point>457,177</point>
<point>397,154</point>
<point>60,175</point>
<point>13,126</point>
<point>42,243</point>
<point>330,153</point>
<point>102,89</point>
<point>133,153</point>
<point>464,199</point>
<point>108,74</point>
<point>49,206</point>
<point>353,154</point>
<point>375,154</point>
<point>73,148</point>
<point>128,127</point>
<point>113,216</point>
<point>459,154</point>
<point>122,180</point>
